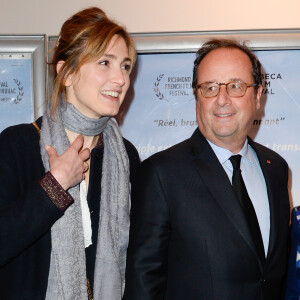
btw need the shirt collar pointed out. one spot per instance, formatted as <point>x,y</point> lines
<point>224,154</point>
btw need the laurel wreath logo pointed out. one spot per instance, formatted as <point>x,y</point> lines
<point>161,96</point>
<point>158,93</point>
<point>21,91</point>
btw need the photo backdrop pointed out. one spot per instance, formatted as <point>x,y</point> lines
<point>160,107</point>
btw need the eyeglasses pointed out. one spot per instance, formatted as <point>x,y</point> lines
<point>233,88</point>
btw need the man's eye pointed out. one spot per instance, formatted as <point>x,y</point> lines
<point>235,86</point>
<point>211,88</point>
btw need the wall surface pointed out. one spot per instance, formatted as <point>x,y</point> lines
<point>41,16</point>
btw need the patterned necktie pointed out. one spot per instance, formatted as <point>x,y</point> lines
<point>240,190</point>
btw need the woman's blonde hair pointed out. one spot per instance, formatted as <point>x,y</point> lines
<point>83,38</point>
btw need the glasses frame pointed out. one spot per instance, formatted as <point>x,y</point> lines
<point>226,84</point>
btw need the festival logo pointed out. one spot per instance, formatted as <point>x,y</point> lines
<point>170,87</point>
<point>12,91</point>
<point>268,79</point>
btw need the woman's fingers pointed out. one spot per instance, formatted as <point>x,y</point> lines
<point>51,152</point>
<point>69,167</point>
<point>85,154</point>
<point>77,144</point>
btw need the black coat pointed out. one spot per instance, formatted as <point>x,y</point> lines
<point>27,214</point>
<point>189,238</point>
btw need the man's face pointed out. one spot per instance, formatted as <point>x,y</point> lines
<point>225,120</point>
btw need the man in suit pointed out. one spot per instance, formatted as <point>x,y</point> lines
<point>200,230</point>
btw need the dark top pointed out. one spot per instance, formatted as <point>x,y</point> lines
<point>93,197</point>
<point>27,213</point>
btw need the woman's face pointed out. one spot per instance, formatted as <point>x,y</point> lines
<point>99,87</point>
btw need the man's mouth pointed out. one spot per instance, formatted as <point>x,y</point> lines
<point>223,115</point>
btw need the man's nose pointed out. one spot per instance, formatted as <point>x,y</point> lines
<point>223,98</point>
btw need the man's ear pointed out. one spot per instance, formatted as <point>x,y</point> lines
<point>69,80</point>
<point>258,97</point>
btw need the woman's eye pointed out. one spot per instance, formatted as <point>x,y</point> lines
<point>103,62</point>
<point>126,67</point>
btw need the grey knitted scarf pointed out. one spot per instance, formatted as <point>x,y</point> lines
<point>67,275</point>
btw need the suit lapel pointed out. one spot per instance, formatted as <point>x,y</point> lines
<point>267,169</point>
<point>218,184</point>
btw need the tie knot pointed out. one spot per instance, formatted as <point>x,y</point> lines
<point>235,161</point>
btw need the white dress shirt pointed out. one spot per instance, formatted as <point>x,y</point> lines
<point>254,181</point>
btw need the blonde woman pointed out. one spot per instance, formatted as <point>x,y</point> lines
<point>65,180</point>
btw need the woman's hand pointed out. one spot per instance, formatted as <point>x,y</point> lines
<point>68,169</point>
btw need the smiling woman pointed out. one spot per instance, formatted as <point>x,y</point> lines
<point>59,171</point>
<point>99,87</point>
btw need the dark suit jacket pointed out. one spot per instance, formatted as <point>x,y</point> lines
<point>27,213</point>
<point>293,290</point>
<point>189,238</point>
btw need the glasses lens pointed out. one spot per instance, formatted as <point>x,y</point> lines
<point>236,89</point>
<point>209,89</point>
